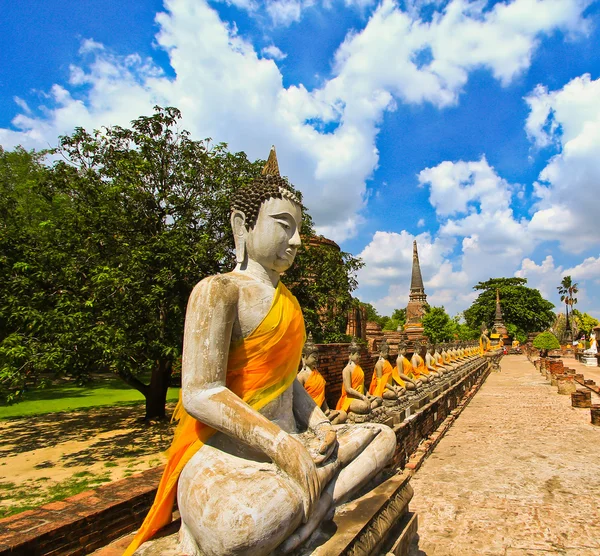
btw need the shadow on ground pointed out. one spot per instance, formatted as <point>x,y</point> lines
<point>132,437</point>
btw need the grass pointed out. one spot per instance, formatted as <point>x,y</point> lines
<point>67,397</point>
<point>29,496</point>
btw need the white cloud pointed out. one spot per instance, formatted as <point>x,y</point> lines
<point>273,52</point>
<point>421,223</point>
<point>569,203</point>
<point>227,91</point>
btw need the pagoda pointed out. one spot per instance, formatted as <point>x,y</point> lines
<point>417,301</point>
<point>499,326</point>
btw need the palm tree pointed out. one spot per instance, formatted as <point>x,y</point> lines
<point>567,291</point>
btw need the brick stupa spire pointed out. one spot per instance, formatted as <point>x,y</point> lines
<point>417,300</point>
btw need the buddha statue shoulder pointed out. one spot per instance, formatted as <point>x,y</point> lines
<point>255,464</point>
<point>314,382</point>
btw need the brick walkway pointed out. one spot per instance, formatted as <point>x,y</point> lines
<point>517,474</point>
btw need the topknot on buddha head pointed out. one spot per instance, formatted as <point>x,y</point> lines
<point>270,185</point>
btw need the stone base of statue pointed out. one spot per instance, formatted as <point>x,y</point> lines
<point>589,359</point>
<point>379,522</point>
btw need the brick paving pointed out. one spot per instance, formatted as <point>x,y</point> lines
<point>517,474</point>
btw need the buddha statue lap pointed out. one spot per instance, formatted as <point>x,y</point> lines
<point>314,383</point>
<point>255,463</point>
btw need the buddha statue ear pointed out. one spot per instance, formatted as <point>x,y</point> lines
<point>238,225</point>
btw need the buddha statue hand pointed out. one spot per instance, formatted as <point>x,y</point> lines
<point>295,461</point>
<point>326,433</point>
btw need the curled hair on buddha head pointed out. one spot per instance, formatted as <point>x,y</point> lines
<point>309,346</point>
<point>383,346</point>
<point>402,345</point>
<point>270,185</point>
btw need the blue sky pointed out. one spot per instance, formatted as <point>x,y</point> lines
<point>473,127</point>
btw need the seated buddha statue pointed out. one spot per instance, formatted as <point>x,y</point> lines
<point>382,383</point>
<point>418,364</point>
<point>314,382</point>
<point>255,463</point>
<point>485,343</point>
<point>403,374</point>
<point>354,399</point>
<point>430,363</point>
<point>447,357</point>
<point>439,360</point>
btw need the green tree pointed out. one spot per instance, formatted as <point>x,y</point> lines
<point>463,330</point>
<point>100,253</point>
<point>567,291</point>
<point>545,342</point>
<point>523,307</point>
<point>585,323</point>
<point>397,320</point>
<point>438,326</point>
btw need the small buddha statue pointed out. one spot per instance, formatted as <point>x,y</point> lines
<point>354,399</point>
<point>314,382</point>
<point>418,364</point>
<point>255,464</point>
<point>484,341</point>
<point>448,358</point>
<point>430,363</point>
<point>439,360</point>
<point>403,374</point>
<point>382,384</point>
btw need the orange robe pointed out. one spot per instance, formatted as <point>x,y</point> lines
<point>315,386</point>
<point>358,384</point>
<point>420,369</point>
<point>407,370</point>
<point>377,387</point>
<point>259,369</point>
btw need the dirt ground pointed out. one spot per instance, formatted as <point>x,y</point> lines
<point>517,474</point>
<point>49,457</point>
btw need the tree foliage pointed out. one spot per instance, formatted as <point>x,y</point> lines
<point>438,326</point>
<point>585,323</point>
<point>545,342</point>
<point>522,307</point>
<point>396,321</point>
<point>100,252</point>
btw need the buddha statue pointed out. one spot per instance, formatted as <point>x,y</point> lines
<point>255,463</point>
<point>354,399</point>
<point>403,374</point>
<point>314,383</point>
<point>448,358</point>
<point>382,384</point>
<point>418,364</point>
<point>430,363</point>
<point>439,360</point>
<point>484,341</point>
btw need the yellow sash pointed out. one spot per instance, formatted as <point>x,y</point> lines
<point>421,369</point>
<point>259,369</point>
<point>377,386</point>
<point>358,384</point>
<point>407,370</point>
<point>315,386</point>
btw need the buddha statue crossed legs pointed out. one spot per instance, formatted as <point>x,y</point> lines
<point>255,463</point>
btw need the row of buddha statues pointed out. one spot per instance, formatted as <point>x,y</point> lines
<point>427,366</point>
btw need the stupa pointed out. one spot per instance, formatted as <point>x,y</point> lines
<point>499,326</point>
<point>417,301</point>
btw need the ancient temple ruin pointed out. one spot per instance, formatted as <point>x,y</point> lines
<point>417,301</point>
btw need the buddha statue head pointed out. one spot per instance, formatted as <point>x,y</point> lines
<point>431,348</point>
<point>402,348</point>
<point>384,349</point>
<point>310,353</point>
<point>265,218</point>
<point>417,347</point>
<point>354,351</point>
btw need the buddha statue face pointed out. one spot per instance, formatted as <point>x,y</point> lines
<point>275,237</point>
<point>431,349</point>
<point>402,349</point>
<point>311,360</point>
<point>384,349</point>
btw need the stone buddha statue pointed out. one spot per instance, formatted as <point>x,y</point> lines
<point>382,383</point>
<point>484,340</point>
<point>402,374</point>
<point>418,364</point>
<point>447,357</point>
<point>354,398</point>
<point>314,382</point>
<point>430,363</point>
<point>439,360</point>
<point>255,463</point>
